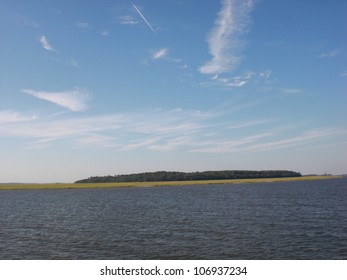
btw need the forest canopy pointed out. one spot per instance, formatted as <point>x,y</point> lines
<point>190,176</point>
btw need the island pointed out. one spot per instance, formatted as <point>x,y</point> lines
<point>168,178</point>
<point>160,176</point>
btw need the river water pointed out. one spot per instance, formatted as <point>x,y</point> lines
<point>288,220</point>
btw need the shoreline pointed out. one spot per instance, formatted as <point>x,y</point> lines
<point>44,186</point>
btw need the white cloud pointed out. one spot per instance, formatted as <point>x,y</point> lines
<point>224,40</point>
<point>330,54</point>
<point>173,144</point>
<point>344,74</point>
<point>291,90</point>
<point>96,140</point>
<point>127,131</point>
<point>105,33</point>
<point>47,130</point>
<point>127,20</point>
<point>161,53</point>
<point>266,142</point>
<point>160,130</point>
<point>234,81</point>
<point>9,116</point>
<point>83,25</point>
<point>301,139</point>
<point>74,100</point>
<point>74,63</point>
<point>249,123</point>
<point>45,44</point>
<point>265,74</point>
<point>32,24</point>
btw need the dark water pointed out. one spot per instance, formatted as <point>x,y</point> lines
<point>291,220</point>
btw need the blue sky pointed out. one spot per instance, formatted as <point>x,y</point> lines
<point>112,87</point>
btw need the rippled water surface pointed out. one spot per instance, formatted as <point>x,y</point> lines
<point>291,220</point>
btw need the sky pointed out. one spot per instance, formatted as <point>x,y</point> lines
<point>94,88</point>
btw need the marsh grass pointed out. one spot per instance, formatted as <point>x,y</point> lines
<point>156,184</point>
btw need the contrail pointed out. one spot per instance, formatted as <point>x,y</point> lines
<point>144,19</point>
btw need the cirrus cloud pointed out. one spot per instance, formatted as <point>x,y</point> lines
<point>161,53</point>
<point>164,131</point>
<point>330,54</point>
<point>45,44</point>
<point>127,20</point>
<point>224,40</point>
<point>74,100</point>
<point>9,116</point>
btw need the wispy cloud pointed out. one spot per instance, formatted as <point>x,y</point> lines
<point>162,131</point>
<point>127,20</point>
<point>74,100</point>
<point>161,53</point>
<point>291,90</point>
<point>330,54</point>
<point>241,80</point>
<point>9,116</point>
<point>274,44</point>
<point>144,19</point>
<point>301,139</point>
<point>344,73</point>
<point>282,90</point>
<point>224,40</point>
<point>238,81</point>
<point>74,63</point>
<point>105,33</point>
<point>172,144</point>
<point>249,123</point>
<point>32,24</point>
<point>123,131</point>
<point>48,130</point>
<point>265,74</point>
<point>230,146</point>
<point>83,25</point>
<point>45,44</point>
<point>266,141</point>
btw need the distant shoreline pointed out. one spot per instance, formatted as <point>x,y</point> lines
<point>157,184</point>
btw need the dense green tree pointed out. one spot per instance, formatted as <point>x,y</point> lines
<point>189,176</point>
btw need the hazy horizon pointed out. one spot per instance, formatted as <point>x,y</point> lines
<point>94,88</point>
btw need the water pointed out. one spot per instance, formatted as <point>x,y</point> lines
<point>290,220</point>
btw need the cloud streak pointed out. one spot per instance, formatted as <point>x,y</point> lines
<point>127,20</point>
<point>161,131</point>
<point>105,33</point>
<point>74,100</point>
<point>83,25</point>
<point>161,53</point>
<point>291,90</point>
<point>330,54</point>
<point>123,132</point>
<point>9,116</point>
<point>144,19</point>
<point>238,81</point>
<point>45,44</point>
<point>224,40</point>
<point>266,141</point>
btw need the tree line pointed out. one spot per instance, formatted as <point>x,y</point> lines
<point>190,176</point>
